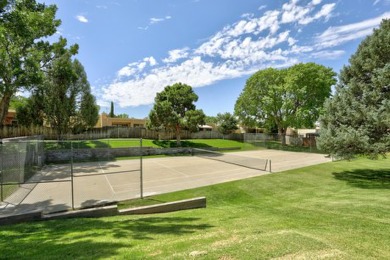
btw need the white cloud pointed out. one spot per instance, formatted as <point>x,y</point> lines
<point>225,40</point>
<point>238,49</point>
<point>328,54</point>
<point>247,15</point>
<point>325,12</point>
<point>262,7</point>
<point>291,41</point>
<point>335,36</point>
<point>82,19</point>
<point>293,12</point>
<point>143,28</point>
<point>155,20</point>
<point>194,71</point>
<point>175,55</point>
<point>136,67</point>
<point>152,61</point>
<point>385,2</point>
<point>295,49</point>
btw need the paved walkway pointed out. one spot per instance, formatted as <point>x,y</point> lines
<point>102,182</point>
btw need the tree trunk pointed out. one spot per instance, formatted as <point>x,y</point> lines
<point>178,141</point>
<point>4,105</point>
<point>282,133</point>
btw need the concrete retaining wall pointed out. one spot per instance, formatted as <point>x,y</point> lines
<point>167,207</point>
<point>85,213</point>
<point>19,218</point>
<point>106,211</point>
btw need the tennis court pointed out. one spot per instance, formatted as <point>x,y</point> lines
<point>101,182</point>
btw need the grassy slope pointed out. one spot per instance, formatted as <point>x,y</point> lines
<point>337,210</point>
<point>120,143</point>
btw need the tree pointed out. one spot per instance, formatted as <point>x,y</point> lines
<point>87,111</point>
<point>227,123</point>
<point>174,109</point>
<point>17,101</point>
<point>192,120</point>
<point>23,51</point>
<point>291,97</point>
<point>124,115</point>
<point>88,114</point>
<point>111,114</point>
<point>64,98</point>
<point>30,112</point>
<point>357,118</point>
<point>211,120</point>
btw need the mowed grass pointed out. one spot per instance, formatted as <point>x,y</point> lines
<point>123,143</point>
<point>338,210</point>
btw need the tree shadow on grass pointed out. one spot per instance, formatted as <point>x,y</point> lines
<point>90,237</point>
<point>183,143</point>
<point>147,228</point>
<point>76,144</point>
<point>366,178</point>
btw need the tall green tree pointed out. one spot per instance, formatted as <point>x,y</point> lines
<point>174,110</point>
<point>31,112</point>
<point>24,24</point>
<point>357,118</point>
<point>63,99</point>
<point>112,114</point>
<point>291,97</point>
<point>227,123</point>
<point>87,111</point>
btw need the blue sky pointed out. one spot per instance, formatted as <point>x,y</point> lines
<point>132,49</point>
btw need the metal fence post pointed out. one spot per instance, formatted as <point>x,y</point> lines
<point>141,171</point>
<point>71,173</point>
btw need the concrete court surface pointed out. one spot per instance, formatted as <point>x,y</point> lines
<point>100,182</point>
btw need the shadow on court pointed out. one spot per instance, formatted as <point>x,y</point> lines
<point>366,178</point>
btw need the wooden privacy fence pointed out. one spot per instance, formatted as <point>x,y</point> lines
<point>113,132</point>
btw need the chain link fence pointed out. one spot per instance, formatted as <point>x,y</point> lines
<point>297,143</point>
<point>78,179</point>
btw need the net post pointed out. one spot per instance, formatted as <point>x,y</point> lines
<point>71,173</point>
<point>141,171</point>
<point>270,170</point>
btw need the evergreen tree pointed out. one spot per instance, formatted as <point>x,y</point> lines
<point>64,99</point>
<point>112,110</point>
<point>357,118</point>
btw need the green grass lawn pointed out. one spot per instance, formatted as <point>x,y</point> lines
<point>120,143</point>
<point>338,210</point>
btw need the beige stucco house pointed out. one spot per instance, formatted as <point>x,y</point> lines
<point>105,120</point>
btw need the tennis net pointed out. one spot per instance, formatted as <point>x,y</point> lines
<point>248,162</point>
